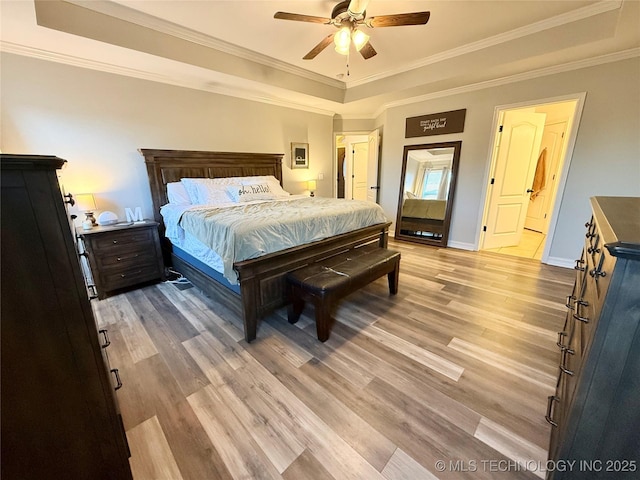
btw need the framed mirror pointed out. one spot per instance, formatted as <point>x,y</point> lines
<point>427,185</point>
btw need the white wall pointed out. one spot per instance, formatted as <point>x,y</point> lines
<point>97,121</point>
<point>606,158</point>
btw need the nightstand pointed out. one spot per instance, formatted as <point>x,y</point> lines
<point>122,256</point>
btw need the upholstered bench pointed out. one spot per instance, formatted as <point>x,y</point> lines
<point>325,282</point>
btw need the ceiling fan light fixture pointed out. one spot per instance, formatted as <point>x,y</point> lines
<point>359,39</point>
<point>342,39</point>
<point>342,50</point>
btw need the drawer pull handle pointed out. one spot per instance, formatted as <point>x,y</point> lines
<point>569,304</point>
<point>593,250</point>
<point>582,319</point>
<point>107,342</point>
<point>118,381</point>
<point>69,199</point>
<point>115,241</point>
<point>563,369</point>
<point>587,225</point>
<point>563,347</point>
<point>123,275</point>
<point>547,417</point>
<point>590,235</point>
<point>597,273</point>
<point>578,267</point>
<point>118,259</point>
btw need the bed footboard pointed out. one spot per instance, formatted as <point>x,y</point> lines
<point>263,280</point>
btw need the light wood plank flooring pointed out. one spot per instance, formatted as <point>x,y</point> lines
<point>456,368</point>
<point>531,246</point>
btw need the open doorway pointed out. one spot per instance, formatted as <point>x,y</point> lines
<point>529,163</point>
<point>357,166</point>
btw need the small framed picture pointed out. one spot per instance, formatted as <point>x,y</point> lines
<point>299,155</point>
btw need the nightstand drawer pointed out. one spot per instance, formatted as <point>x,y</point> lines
<point>112,280</point>
<point>122,241</point>
<point>125,259</point>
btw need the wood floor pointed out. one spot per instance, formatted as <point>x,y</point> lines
<point>448,379</point>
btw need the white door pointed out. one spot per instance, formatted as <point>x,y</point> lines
<point>541,205</point>
<point>372,168</point>
<point>515,164</point>
<point>359,171</point>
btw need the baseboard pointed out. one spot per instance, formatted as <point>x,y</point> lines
<point>560,262</point>
<point>462,245</point>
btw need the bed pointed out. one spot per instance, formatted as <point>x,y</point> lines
<point>262,280</point>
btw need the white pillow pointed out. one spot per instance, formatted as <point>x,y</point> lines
<point>246,193</point>
<point>177,194</point>
<point>208,193</point>
<point>195,196</point>
<point>190,187</point>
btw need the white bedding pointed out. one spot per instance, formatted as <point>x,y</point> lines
<point>224,243</point>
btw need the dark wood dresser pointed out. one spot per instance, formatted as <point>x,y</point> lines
<point>60,417</point>
<point>595,412</point>
<point>123,256</point>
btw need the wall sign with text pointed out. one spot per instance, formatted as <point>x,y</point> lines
<point>435,124</point>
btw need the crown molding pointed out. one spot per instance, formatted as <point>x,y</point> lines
<point>244,94</point>
<point>136,17</point>
<point>258,97</point>
<point>558,20</point>
<point>541,72</point>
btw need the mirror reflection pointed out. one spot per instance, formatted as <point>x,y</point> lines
<point>426,192</point>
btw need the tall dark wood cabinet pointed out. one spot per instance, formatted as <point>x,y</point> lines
<point>595,412</point>
<point>59,413</point>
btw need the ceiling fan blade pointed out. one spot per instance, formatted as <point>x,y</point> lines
<point>358,6</point>
<point>324,43</point>
<point>367,51</point>
<point>397,20</point>
<point>301,18</point>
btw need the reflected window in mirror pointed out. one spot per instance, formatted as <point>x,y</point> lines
<point>426,192</point>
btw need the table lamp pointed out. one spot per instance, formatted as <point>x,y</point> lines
<point>311,185</point>
<point>87,204</point>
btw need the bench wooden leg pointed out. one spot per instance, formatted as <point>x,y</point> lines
<point>394,277</point>
<point>323,318</point>
<point>295,307</point>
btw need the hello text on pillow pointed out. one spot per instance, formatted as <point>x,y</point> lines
<point>246,193</point>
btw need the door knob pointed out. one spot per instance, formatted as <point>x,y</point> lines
<point>529,190</point>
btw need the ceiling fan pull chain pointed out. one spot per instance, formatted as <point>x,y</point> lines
<point>347,57</point>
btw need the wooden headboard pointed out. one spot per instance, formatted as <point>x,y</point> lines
<point>164,166</point>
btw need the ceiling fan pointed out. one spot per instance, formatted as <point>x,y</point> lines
<point>347,16</point>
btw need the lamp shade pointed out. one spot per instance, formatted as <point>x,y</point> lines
<point>342,39</point>
<point>85,202</point>
<point>359,38</point>
<point>311,185</point>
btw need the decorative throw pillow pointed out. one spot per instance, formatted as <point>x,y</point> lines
<point>246,193</point>
<point>272,181</point>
